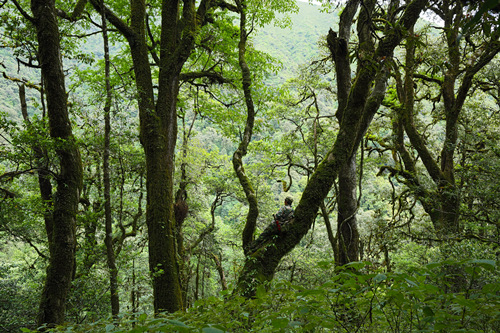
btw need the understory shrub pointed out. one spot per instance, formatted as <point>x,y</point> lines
<point>355,299</point>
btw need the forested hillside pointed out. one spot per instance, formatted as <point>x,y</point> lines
<point>299,43</point>
<point>146,181</point>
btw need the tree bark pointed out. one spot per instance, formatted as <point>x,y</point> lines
<point>347,226</point>
<point>347,229</point>
<point>364,100</point>
<point>69,180</point>
<point>443,202</point>
<point>108,239</point>
<point>253,209</point>
<point>158,129</point>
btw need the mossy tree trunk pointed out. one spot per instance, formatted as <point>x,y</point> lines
<point>347,228</point>
<point>180,23</point>
<point>442,201</point>
<point>253,209</point>
<point>62,238</point>
<point>364,99</point>
<point>108,239</point>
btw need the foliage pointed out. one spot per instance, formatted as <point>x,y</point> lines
<point>295,125</point>
<point>20,280</point>
<point>355,298</point>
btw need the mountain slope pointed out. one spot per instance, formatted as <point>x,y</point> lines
<point>298,44</point>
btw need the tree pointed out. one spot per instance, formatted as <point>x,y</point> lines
<point>61,233</point>
<point>108,240</point>
<point>179,26</point>
<point>364,100</point>
<point>453,77</point>
<point>347,229</point>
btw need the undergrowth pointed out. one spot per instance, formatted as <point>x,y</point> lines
<point>354,299</point>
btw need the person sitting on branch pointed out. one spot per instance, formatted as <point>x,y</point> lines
<point>284,215</point>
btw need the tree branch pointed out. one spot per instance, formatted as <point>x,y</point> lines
<point>23,12</point>
<point>77,11</point>
<point>213,77</point>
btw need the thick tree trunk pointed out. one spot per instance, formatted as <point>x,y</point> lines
<point>158,138</point>
<point>158,134</point>
<point>347,227</point>
<point>443,202</point>
<point>158,128</point>
<point>69,180</point>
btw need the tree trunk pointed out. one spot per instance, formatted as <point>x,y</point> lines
<point>329,231</point>
<point>220,270</point>
<point>69,181</point>
<point>443,202</point>
<point>253,209</point>
<point>41,160</point>
<point>347,227</point>
<point>363,102</point>
<point>158,129</point>
<point>159,142</point>
<point>108,240</point>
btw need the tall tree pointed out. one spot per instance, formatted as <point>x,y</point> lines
<point>365,97</point>
<point>453,77</point>
<point>108,240</point>
<point>347,228</point>
<point>180,23</point>
<point>253,209</point>
<point>62,238</point>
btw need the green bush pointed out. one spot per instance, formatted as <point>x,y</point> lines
<point>355,299</point>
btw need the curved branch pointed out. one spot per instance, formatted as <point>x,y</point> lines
<point>213,77</point>
<point>253,209</point>
<point>23,12</point>
<point>119,24</point>
<point>77,11</point>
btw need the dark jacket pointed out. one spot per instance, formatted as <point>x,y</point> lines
<point>284,214</point>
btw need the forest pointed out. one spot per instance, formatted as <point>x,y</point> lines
<point>147,146</point>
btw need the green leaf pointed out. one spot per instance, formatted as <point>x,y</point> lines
<point>357,265</point>
<point>279,322</point>
<point>177,323</point>
<point>380,277</point>
<point>211,330</point>
<point>428,311</point>
<point>491,288</point>
<point>324,264</point>
<point>311,292</point>
<point>433,265</point>
<point>294,324</point>
<point>260,292</point>
<point>303,310</point>
<point>484,263</point>
<point>411,283</point>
